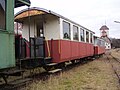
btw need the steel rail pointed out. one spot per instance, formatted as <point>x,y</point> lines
<point>114,69</point>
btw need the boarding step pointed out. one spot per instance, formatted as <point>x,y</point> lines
<point>20,81</point>
<point>17,83</point>
<point>54,71</point>
<point>68,63</point>
<point>12,72</point>
<point>51,64</point>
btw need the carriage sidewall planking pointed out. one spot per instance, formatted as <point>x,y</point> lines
<point>7,54</point>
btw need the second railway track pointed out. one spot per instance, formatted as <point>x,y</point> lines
<point>115,64</point>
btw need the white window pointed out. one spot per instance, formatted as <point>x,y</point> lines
<point>2,13</point>
<point>66,30</point>
<point>82,36</point>
<point>75,33</point>
<point>103,43</point>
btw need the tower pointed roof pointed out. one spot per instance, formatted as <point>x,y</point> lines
<point>104,27</point>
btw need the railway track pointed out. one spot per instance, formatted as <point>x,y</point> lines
<point>115,64</point>
<point>39,76</point>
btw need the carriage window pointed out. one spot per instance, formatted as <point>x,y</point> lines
<point>82,34</point>
<point>91,37</point>
<point>87,36</point>
<point>75,33</point>
<point>99,42</point>
<point>95,41</point>
<point>2,13</point>
<point>103,43</point>
<point>66,30</point>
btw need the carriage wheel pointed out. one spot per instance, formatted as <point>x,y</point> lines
<point>73,61</point>
<point>61,65</point>
<point>49,68</point>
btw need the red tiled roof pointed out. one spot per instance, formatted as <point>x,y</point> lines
<point>104,27</point>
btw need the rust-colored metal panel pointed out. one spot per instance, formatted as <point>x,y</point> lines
<point>74,50</point>
<point>55,54</point>
<point>83,49</point>
<point>88,49</point>
<point>65,50</point>
<point>95,50</point>
<point>92,50</point>
<point>99,50</point>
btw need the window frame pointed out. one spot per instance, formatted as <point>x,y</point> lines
<point>75,28</point>
<point>4,28</point>
<point>68,37</point>
<point>87,37</point>
<point>91,37</point>
<point>82,32</point>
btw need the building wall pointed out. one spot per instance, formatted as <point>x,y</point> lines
<point>107,32</point>
<point>107,45</point>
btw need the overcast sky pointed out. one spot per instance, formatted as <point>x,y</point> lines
<point>91,14</point>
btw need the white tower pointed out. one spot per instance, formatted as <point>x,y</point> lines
<point>104,31</point>
<point>104,34</point>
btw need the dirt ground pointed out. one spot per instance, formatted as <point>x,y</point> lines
<point>94,75</point>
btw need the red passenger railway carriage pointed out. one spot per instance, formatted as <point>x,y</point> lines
<point>47,40</point>
<point>52,38</point>
<point>99,47</point>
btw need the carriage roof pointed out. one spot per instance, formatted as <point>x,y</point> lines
<point>39,11</point>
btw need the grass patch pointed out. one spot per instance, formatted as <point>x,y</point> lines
<point>95,75</point>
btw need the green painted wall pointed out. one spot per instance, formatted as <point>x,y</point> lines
<point>7,51</point>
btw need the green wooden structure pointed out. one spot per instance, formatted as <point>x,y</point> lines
<point>7,42</point>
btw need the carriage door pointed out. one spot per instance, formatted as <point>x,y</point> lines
<point>40,30</point>
<point>40,41</point>
<point>37,43</point>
